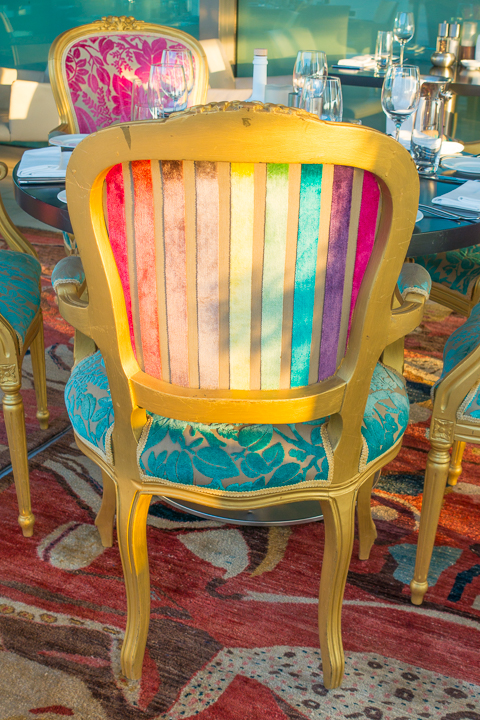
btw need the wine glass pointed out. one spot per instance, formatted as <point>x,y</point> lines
<point>400,93</point>
<point>167,89</point>
<point>309,63</point>
<point>140,103</point>
<point>312,93</point>
<point>403,30</point>
<point>332,100</point>
<point>183,58</point>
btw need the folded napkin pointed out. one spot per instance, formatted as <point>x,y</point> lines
<point>465,197</point>
<point>360,62</point>
<point>42,164</point>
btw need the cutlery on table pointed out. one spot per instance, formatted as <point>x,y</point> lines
<point>447,215</point>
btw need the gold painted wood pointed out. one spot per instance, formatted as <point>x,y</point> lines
<point>236,132</point>
<point>106,515</point>
<point>367,531</point>
<point>454,300</point>
<point>112,25</point>
<point>456,462</point>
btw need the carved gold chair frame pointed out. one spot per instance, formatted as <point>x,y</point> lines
<point>226,133</point>
<point>11,358</point>
<point>112,25</point>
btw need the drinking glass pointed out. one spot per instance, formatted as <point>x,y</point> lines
<point>183,58</point>
<point>167,89</point>
<point>140,103</point>
<point>312,93</point>
<point>383,50</point>
<point>332,109</point>
<point>403,30</point>
<point>309,63</point>
<point>400,93</point>
<point>427,134</point>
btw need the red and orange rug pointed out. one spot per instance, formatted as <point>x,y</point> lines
<point>233,632</point>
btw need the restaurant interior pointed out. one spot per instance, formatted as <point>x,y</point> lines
<point>240,359</point>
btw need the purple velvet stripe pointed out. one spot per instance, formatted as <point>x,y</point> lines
<point>335,273</point>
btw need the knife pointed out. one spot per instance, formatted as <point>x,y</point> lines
<point>444,178</point>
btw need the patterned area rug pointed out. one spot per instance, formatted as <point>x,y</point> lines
<point>233,632</point>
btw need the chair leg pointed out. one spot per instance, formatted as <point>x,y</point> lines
<point>17,443</point>
<point>106,514</point>
<point>339,516</point>
<point>37,351</point>
<point>436,474</point>
<point>132,511</point>
<point>456,462</point>
<point>367,532</point>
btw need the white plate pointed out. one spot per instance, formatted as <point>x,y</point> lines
<point>451,148</point>
<point>419,216</point>
<point>62,196</point>
<point>462,164</point>
<point>471,64</point>
<point>67,141</point>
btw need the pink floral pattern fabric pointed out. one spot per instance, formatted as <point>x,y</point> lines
<point>100,70</point>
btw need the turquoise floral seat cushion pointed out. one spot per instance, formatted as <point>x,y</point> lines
<point>455,269</point>
<point>234,458</point>
<point>19,290</point>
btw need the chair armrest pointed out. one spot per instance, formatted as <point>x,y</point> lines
<point>414,286</point>
<point>68,280</point>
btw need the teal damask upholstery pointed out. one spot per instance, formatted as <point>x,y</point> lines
<point>456,269</point>
<point>19,290</point>
<point>237,458</point>
<point>414,278</point>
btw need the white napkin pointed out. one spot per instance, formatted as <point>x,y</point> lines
<point>362,62</point>
<point>465,197</point>
<point>41,163</point>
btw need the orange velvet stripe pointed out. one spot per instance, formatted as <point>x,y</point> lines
<point>145,252</point>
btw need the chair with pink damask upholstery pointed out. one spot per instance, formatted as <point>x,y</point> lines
<point>92,69</point>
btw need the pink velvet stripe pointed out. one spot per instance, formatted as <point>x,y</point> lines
<point>144,223</point>
<point>175,270</point>
<point>367,226</point>
<point>118,235</point>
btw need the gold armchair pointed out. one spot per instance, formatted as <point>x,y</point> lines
<point>240,299</point>
<point>92,67</point>
<point>21,328</point>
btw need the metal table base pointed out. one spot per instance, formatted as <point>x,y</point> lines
<point>294,513</point>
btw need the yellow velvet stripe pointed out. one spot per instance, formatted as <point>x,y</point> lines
<point>241,247</point>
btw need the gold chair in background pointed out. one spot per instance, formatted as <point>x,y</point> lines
<point>455,421</point>
<point>21,328</point>
<point>238,351</point>
<point>92,67</point>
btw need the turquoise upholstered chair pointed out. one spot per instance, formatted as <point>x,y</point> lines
<point>240,294</point>
<point>455,278</point>
<point>21,328</point>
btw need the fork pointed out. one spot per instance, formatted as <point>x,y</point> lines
<point>439,212</point>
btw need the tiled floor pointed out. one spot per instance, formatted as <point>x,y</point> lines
<point>10,155</point>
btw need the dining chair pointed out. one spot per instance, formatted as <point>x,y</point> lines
<point>21,328</point>
<point>455,421</point>
<point>92,68</point>
<point>455,278</point>
<point>241,261</point>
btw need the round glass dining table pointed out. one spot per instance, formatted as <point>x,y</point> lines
<point>431,235</point>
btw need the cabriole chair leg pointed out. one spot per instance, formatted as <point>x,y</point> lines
<point>456,462</point>
<point>17,442</point>
<point>106,514</point>
<point>132,511</point>
<point>438,463</point>
<point>367,532</point>
<point>339,520</point>
<point>37,351</point>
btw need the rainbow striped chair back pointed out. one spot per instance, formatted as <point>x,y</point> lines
<point>241,263</point>
<point>92,68</point>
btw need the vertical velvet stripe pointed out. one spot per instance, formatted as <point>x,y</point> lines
<point>117,232</point>
<point>294,181</point>
<point>175,270</point>
<point>241,248</point>
<point>260,190</point>
<point>145,253</point>
<point>207,273</point>
<point>157,187</point>
<point>367,225</point>
<point>224,183</point>
<point>335,276</point>
<point>132,261</point>
<point>304,294</point>
<point>191,265</point>
<point>276,212</point>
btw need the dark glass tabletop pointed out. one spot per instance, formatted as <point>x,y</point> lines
<point>431,235</point>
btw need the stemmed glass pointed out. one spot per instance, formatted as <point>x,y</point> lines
<point>332,100</point>
<point>183,58</point>
<point>400,93</point>
<point>403,30</point>
<point>167,89</point>
<point>309,63</point>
